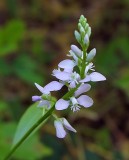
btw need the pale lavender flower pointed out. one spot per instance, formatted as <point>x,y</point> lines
<point>76,103</point>
<point>60,124</point>
<point>52,86</point>
<point>72,78</point>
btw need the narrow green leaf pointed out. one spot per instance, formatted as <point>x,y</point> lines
<point>29,123</point>
<point>32,147</point>
<point>31,116</point>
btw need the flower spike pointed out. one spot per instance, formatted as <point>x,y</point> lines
<point>73,73</point>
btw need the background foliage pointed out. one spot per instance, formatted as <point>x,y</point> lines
<point>34,36</point>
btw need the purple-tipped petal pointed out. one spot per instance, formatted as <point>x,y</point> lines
<point>36,98</point>
<point>60,132</point>
<point>82,89</point>
<point>41,89</point>
<point>95,76</point>
<point>87,79</point>
<point>63,76</point>
<point>85,101</point>
<point>61,104</point>
<point>68,126</point>
<point>53,86</point>
<point>66,64</point>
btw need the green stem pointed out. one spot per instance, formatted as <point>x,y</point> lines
<point>46,116</point>
<point>82,74</point>
<point>71,92</point>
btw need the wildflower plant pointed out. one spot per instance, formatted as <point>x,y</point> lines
<point>75,72</point>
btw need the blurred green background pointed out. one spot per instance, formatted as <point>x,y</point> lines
<point>35,35</point>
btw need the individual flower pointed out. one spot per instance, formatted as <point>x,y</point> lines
<point>74,102</point>
<point>60,124</point>
<point>52,86</point>
<point>69,77</point>
<point>76,54</point>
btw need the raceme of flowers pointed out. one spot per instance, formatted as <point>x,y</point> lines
<point>76,74</point>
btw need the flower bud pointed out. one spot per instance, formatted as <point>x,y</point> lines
<point>91,55</point>
<point>77,36</point>
<point>82,18</point>
<point>86,39</point>
<point>79,26</point>
<point>89,31</point>
<point>86,27</point>
<point>76,50</point>
<point>82,31</point>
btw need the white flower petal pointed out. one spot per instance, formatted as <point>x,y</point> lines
<point>68,126</point>
<point>64,76</point>
<point>73,100</point>
<point>66,64</point>
<point>60,132</point>
<point>61,104</point>
<point>95,76</point>
<point>87,79</point>
<point>53,86</point>
<point>41,89</point>
<point>90,66</point>
<point>85,101</point>
<point>83,88</point>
